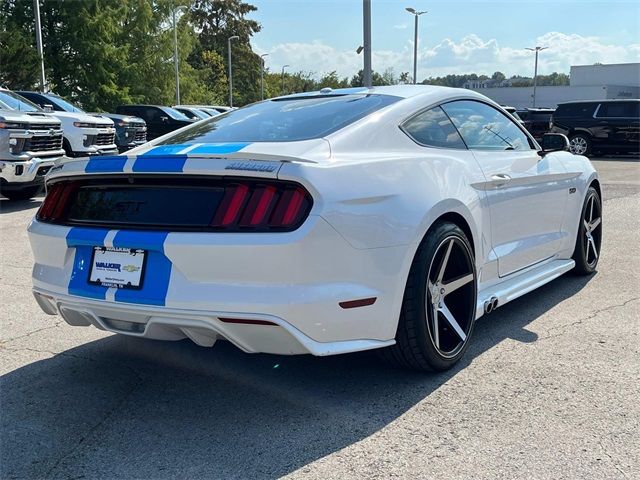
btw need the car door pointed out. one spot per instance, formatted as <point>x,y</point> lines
<point>621,122</point>
<point>526,193</point>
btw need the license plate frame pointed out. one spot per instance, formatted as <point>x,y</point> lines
<point>125,270</point>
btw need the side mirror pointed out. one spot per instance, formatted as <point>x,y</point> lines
<point>554,142</point>
<point>48,108</point>
<point>164,119</point>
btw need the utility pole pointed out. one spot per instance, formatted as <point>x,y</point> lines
<point>416,14</point>
<point>366,30</point>
<point>282,76</point>
<point>36,8</point>
<point>535,72</point>
<point>262,75</point>
<point>235,37</point>
<point>175,57</point>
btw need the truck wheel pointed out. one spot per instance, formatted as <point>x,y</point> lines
<point>24,194</point>
<point>580,144</point>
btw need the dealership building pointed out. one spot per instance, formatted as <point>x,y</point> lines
<point>587,82</point>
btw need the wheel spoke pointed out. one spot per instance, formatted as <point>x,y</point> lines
<point>593,247</point>
<point>591,209</point>
<point>453,285</point>
<point>445,260</point>
<point>436,325</point>
<point>594,224</point>
<point>452,321</point>
<point>586,225</point>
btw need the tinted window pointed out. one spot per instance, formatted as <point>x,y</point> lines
<point>575,110</point>
<point>433,128</point>
<point>16,102</point>
<point>284,120</point>
<point>482,127</point>
<point>173,113</point>
<point>619,109</point>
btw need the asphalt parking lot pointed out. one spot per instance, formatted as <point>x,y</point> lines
<point>549,388</point>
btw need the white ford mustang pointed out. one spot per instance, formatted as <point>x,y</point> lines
<point>322,223</point>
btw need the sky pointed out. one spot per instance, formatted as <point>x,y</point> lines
<point>320,36</point>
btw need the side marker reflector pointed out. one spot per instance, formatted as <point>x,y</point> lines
<point>364,302</point>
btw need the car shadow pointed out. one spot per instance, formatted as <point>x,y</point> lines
<point>9,206</point>
<point>122,407</point>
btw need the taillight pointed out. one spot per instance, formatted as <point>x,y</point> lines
<point>56,202</point>
<point>261,207</point>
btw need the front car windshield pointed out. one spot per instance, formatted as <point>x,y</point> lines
<point>63,104</point>
<point>13,101</point>
<point>285,120</point>
<point>173,113</point>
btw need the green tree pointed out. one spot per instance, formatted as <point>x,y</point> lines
<point>218,20</point>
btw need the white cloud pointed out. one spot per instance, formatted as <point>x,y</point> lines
<point>468,54</point>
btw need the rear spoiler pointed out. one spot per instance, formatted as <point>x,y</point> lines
<point>261,159</point>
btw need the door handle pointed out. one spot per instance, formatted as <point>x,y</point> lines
<point>503,177</point>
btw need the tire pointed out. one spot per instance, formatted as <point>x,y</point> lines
<point>586,253</point>
<point>67,148</point>
<point>423,343</point>
<point>24,194</point>
<point>580,144</point>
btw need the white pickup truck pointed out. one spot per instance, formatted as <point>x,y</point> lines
<point>84,134</point>
<point>30,143</point>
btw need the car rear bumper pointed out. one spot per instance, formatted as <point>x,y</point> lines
<point>293,281</point>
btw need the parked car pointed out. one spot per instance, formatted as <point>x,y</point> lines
<point>131,131</point>
<point>193,113</point>
<point>599,126</point>
<point>84,134</point>
<point>160,120</point>
<point>323,223</point>
<point>30,143</point>
<point>536,120</point>
<point>213,112</point>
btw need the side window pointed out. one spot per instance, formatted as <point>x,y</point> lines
<point>433,127</point>
<point>484,128</point>
<point>618,110</point>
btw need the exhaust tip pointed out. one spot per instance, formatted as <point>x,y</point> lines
<point>490,305</point>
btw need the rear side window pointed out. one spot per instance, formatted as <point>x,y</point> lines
<point>433,128</point>
<point>575,110</point>
<point>483,127</point>
<point>619,110</point>
<point>284,120</point>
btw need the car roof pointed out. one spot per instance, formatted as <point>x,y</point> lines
<point>403,91</point>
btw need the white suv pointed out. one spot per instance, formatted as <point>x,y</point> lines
<point>84,134</point>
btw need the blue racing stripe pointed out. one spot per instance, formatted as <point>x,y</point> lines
<point>217,148</point>
<point>166,163</point>
<point>113,164</point>
<point>83,240</point>
<point>157,274</point>
<point>164,150</point>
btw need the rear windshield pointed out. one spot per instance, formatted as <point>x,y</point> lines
<point>284,120</point>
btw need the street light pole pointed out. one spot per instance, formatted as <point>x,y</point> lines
<point>262,75</point>
<point>535,73</point>
<point>235,37</point>
<point>416,14</point>
<point>175,57</point>
<point>283,67</point>
<point>366,30</point>
<point>36,8</point>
